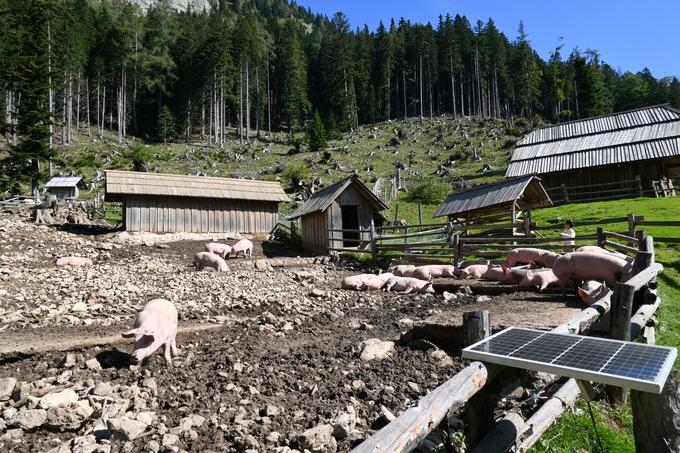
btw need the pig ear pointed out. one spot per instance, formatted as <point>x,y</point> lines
<point>130,333</point>
<point>582,294</point>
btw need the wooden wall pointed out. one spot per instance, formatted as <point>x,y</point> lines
<point>349,196</point>
<point>199,215</point>
<point>314,234</point>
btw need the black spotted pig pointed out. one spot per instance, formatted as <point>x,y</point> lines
<point>155,325</point>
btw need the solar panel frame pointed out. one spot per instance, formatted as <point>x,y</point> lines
<point>654,385</point>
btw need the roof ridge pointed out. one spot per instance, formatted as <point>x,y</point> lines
<point>142,173</point>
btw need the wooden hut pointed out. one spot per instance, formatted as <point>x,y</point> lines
<point>163,203</point>
<point>64,187</point>
<point>607,149</point>
<point>346,205</point>
<point>510,198</point>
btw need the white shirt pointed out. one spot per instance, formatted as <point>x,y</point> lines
<point>570,233</point>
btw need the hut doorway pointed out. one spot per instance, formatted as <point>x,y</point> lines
<point>350,221</point>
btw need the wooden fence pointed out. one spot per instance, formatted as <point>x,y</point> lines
<point>512,431</point>
<point>596,192</point>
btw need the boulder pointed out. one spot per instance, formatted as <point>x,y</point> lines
<point>62,398</point>
<point>320,438</point>
<point>69,418</point>
<point>6,388</point>
<point>376,349</point>
<point>126,428</point>
<point>28,419</point>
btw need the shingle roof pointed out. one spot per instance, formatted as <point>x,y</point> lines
<point>120,183</point>
<point>321,200</point>
<point>640,134</point>
<point>63,181</point>
<point>495,196</point>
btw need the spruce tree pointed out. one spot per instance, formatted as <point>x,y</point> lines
<point>316,135</point>
<point>166,124</point>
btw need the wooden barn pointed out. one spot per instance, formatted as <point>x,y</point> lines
<point>161,203</point>
<point>346,205</point>
<point>511,198</point>
<point>64,187</point>
<point>607,149</point>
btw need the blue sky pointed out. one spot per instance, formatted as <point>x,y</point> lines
<point>629,34</point>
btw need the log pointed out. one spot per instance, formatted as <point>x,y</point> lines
<point>623,237</point>
<point>656,425</point>
<point>503,435</point>
<point>620,247</point>
<point>642,316</point>
<point>409,429</point>
<point>644,277</point>
<point>476,326</point>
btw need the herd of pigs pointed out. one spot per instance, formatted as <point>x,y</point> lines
<point>590,269</point>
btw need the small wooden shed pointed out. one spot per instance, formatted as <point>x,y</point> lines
<point>507,198</point>
<point>162,203</point>
<point>346,205</point>
<point>64,187</point>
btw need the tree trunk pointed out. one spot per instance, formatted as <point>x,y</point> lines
<point>247,102</point>
<point>203,114</point>
<point>269,100</point>
<point>240,106</point>
<point>453,85</point>
<point>78,105</point>
<point>64,138</point>
<point>87,106</point>
<point>420,80</point>
<point>429,85</point>
<point>50,100</point>
<point>403,77</point>
<point>257,101</point>
<point>210,119</point>
<point>462,94</point>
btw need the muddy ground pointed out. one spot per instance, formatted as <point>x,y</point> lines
<point>282,370</point>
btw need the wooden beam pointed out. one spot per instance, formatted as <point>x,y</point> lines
<point>476,326</point>
<point>622,311</point>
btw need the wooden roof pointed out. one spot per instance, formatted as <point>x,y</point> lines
<point>122,183</point>
<point>646,133</point>
<point>321,200</point>
<point>63,181</point>
<point>495,197</point>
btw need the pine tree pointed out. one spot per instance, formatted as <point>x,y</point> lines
<point>166,124</point>
<point>528,73</point>
<point>291,74</point>
<point>316,135</point>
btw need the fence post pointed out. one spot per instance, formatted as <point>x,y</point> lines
<point>420,214</point>
<point>565,193</point>
<point>527,227</point>
<point>621,312</point>
<point>600,236</point>
<point>638,182</point>
<point>456,249</point>
<point>631,225</point>
<point>374,250</point>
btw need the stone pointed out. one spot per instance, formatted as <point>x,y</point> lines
<point>152,446</point>
<point>85,444</point>
<point>61,448</point>
<point>7,388</point>
<point>483,298</point>
<point>197,420</point>
<point>170,440</point>
<point>8,413</point>
<point>103,389</point>
<point>93,364</point>
<point>318,293</point>
<point>69,361</point>
<point>69,418</point>
<point>384,419</point>
<point>344,423</point>
<point>449,296</point>
<point>413,386</point>
<point>376,349</point>
<point>405,323</point>
<point>79,307</point>
<point>444,359</point>
<point>62,398</point>
<point>272,410</point>
<point>126,428</point>
<point>28,419</point>
<point>263,265</point>
<point>146,417</point>
<point>12,434</point>
<point>318,439</point>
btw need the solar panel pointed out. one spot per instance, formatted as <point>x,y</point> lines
<point>620,363</point>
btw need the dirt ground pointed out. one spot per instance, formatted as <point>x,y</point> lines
<point>282,356</point>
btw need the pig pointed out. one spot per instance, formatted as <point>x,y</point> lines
<point>376,282</point>
<point>582,266</point>
<point>591,291</point>
<point>543,258</point>
<point>357,282</point>
<point>598,249</point>
<point>540,280</point>
<point>474,271</point>
<point>243,246</point>
<point>223,250</point>
<point>402,270</point>
<point>434,271</point>
<point>497,273</point>
<point>155,325</point>
<point>75,261</point>
<point>408,285</point>
<point>207,259</point>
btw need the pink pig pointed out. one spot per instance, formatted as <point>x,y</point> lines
<point>155,325</point>
<point>598,249</point>
<point>376,282</point>
<point>434,271</point>
<point>243,246</point>
<point>408,285</point>
<point>474,271</point>
<point>497,273</point>
<point>75,261</point>
<point>541,257</point>
<point>222,250</point>
<point>402,270</point>
<point>540,280</point>
<point>357,282</point>
<point>582,266</point>
<point>591,291</point>
<point>207,259</point>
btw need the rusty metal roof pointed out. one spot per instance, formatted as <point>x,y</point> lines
<point>495,196</point>
<point>122,183</point>
<point>640,134</point>
<point>321,200</point>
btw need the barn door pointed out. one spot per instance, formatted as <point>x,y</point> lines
<point>350,221</point>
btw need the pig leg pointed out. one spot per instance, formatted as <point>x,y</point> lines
<point>173,348</point>
<point>388,287</point>
<point>408,290</point>
<point>166,354</point>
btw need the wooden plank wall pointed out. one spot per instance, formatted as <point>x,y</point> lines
<point>648,170</point>
<point>199,215</point>
<point>314,234</point>
<point>350,196</point>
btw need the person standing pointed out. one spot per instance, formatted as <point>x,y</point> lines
<point>569,234</point>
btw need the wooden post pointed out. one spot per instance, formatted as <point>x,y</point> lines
<point>527,227</point>
<point>420,214</point>
<point>479,413</point>
<point>600,236</point>
<point>621,313</point>
<point>374,249</point>
<point>656,424</point>
<point>456,250</point>
<point>638,183</point>
<point>565,193</point>
<point>396,214</point>
<point>631,225</point>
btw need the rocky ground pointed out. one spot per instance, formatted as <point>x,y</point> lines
<point>292,363</point>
